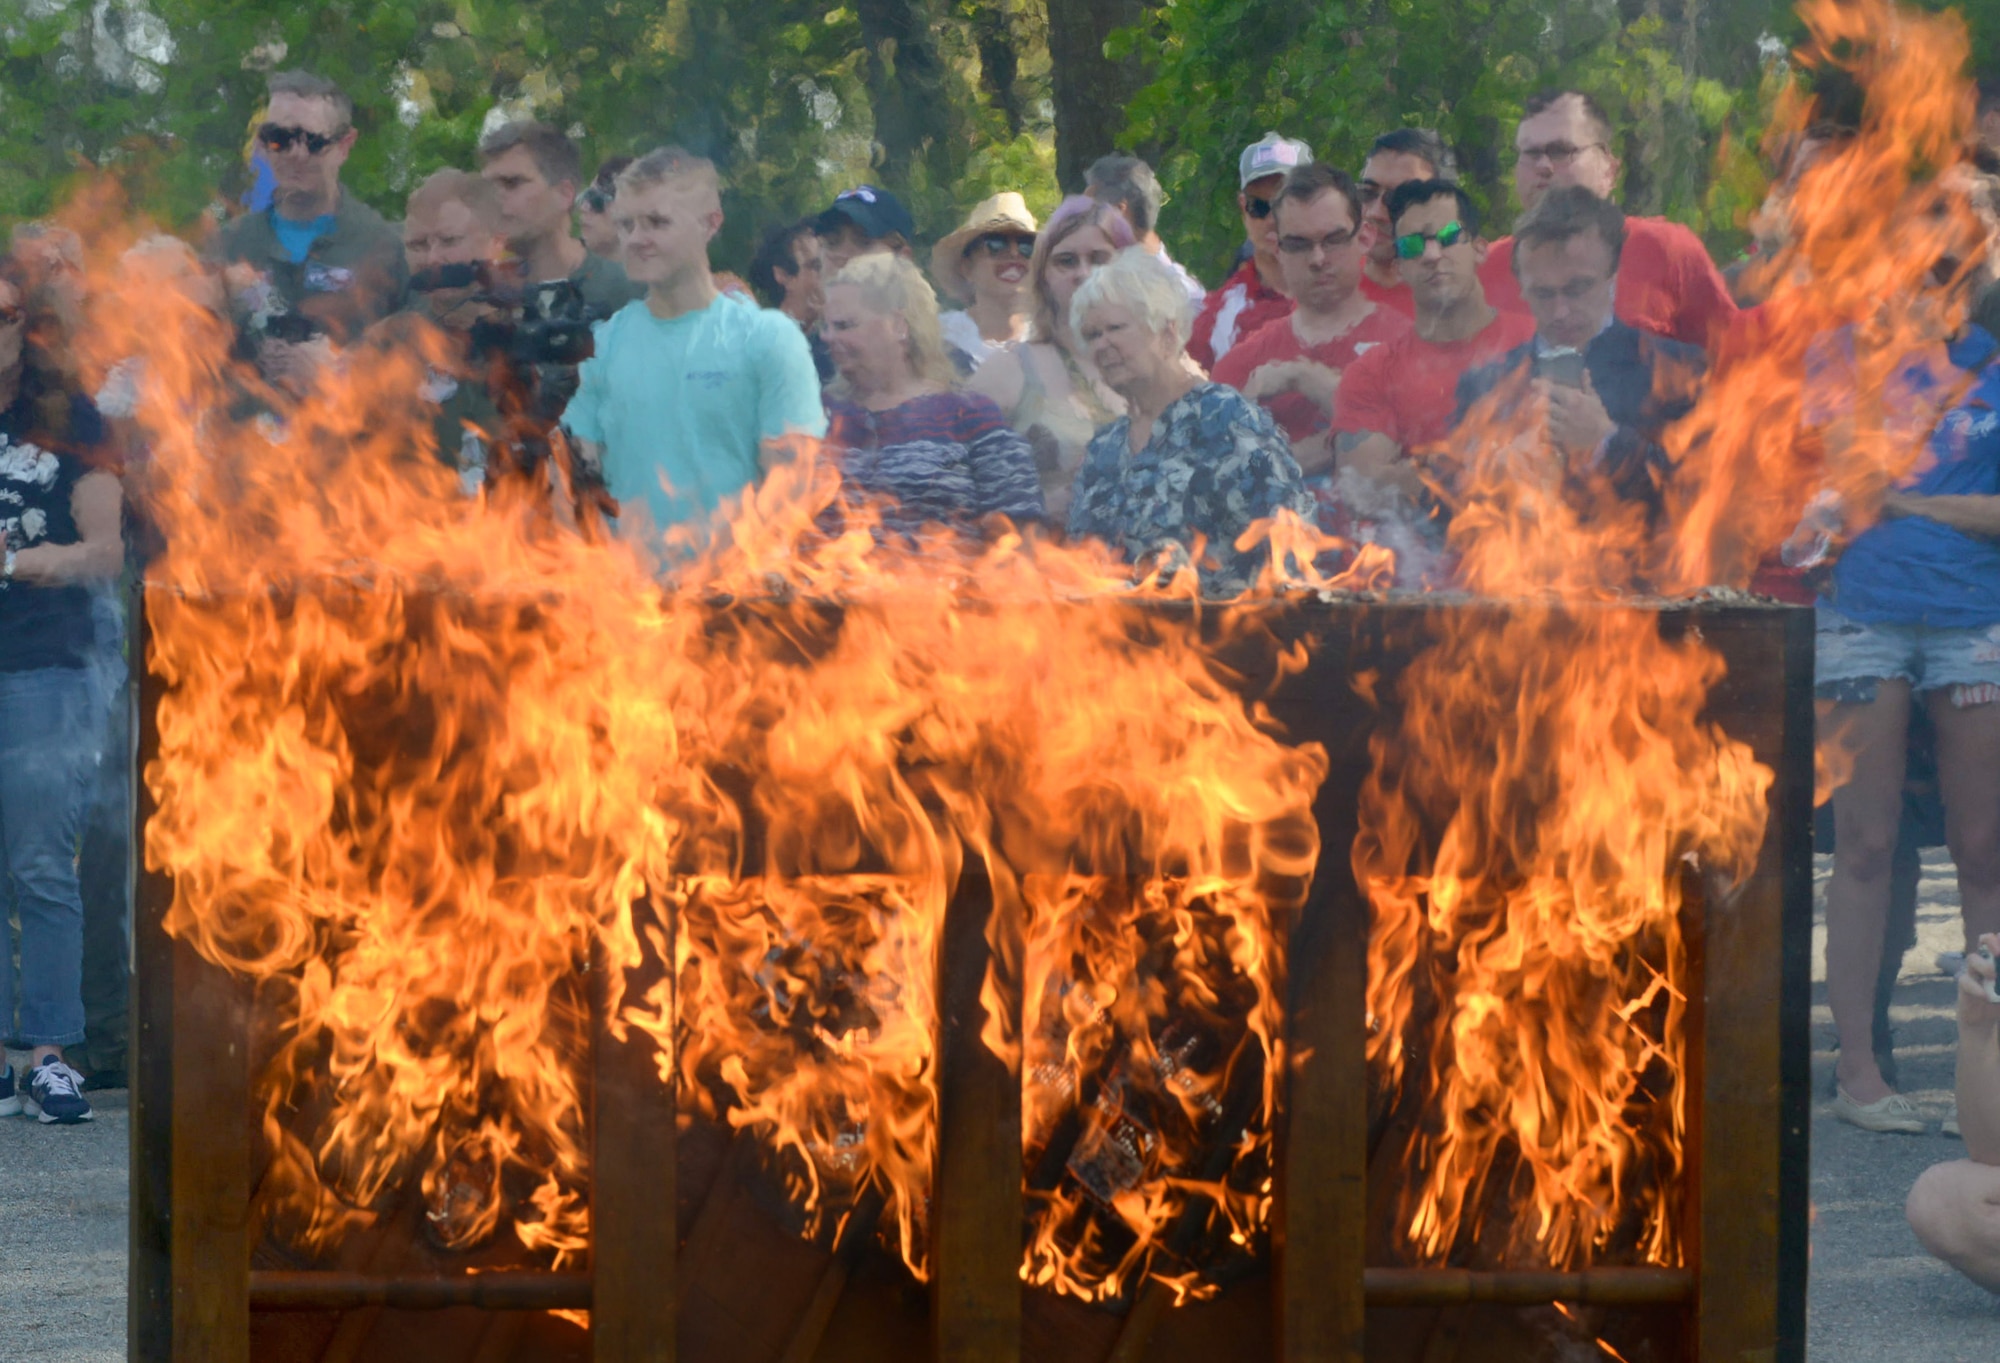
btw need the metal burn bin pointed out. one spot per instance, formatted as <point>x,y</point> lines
<point>688,1262</point>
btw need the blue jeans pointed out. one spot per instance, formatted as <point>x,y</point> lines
<point>48,745</point>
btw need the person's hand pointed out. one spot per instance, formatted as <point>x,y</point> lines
<point>1314,382</point>
<point>1979,976</point>
<point>1896,504</point>
<point>1578,423</point>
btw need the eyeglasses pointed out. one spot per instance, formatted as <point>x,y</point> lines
<point>1257,208</point>
<point>1555,153</point>
<point>283,139</point>
<point>1000,243</point>
<point>1303,246</point>
<point>594,200</point>
<point>1411,244</point>
<point>1573,292</point>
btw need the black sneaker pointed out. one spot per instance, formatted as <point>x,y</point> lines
<point>55,1094</point>
<point>10,1101</point>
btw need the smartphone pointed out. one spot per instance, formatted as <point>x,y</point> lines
<point>1561,366</point>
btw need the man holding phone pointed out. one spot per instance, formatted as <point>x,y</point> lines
<point>1604,391</point>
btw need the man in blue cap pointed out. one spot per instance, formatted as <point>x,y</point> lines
<point>861,221</point>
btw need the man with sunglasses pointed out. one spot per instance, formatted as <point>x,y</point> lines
<point>594,226</point>
<point>1293,366</point>
<point>1397,398</point>
<point>1398,157</point>
<point>1254,295</point>
<point>321,250</point>
<point>1666,282</point>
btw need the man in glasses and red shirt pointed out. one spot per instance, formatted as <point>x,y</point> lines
<point>1294,366</point>
<point>321,251</point>
<point>1254,294</point>
<point>1666,284</point>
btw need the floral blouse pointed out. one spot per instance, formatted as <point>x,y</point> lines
<point>1215,464</point>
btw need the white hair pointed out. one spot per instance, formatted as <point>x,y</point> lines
<point>1137,281</point>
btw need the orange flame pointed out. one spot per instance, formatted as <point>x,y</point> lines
<point>421,755</point>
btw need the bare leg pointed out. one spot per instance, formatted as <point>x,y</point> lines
<point>1866,814</point>
<point>1955,1211</point>
<point>1969,779</point>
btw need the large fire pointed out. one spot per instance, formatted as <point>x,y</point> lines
<point>430,763</point>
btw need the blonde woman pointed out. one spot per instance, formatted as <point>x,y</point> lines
<point>902,438</point>
<point>1046,388</point>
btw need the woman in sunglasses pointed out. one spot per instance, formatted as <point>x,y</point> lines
<point>1046,386</point>
<point>984,265</point>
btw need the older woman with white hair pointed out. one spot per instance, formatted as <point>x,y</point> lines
<point>902,438</point>
<point>1189,458</point>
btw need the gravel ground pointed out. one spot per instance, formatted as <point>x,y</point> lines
<point>63,1258</point>
<point>1875,1294</point>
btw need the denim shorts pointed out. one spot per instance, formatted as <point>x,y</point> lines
<point>1852,656</point>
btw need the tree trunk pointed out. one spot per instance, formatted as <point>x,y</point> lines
<point>906,81</point>
<point>999,60</point>
<point>1090,90</point>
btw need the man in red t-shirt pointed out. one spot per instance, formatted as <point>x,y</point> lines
<point>1293,366</point>
<point>1666,282</point>
<point>1398,157</point>
<point>1399,397</point>
<point>1254,292</point>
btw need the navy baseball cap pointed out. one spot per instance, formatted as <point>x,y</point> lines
<point>875,211</point>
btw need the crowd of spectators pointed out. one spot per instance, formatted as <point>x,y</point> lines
<point>1082,384</point>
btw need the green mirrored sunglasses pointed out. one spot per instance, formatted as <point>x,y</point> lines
<point>1411,244</point>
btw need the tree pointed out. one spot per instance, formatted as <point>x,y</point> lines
<point>1341,72</point>
<point>1091,87</point>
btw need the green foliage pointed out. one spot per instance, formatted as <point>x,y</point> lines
<point>782,94</point>
<point>1340,73</point>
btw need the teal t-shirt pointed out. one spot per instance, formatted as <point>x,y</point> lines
<point>298,237</point>
<point>681,404</point>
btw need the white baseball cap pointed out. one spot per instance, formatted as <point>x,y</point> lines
<point>1272,154</point>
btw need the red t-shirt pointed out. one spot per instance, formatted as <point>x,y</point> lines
<point>1666,283</point>
<point>1397,298</point>
<point>1233,312</point>
<point>1297,415</point>
<point>1407,388</point>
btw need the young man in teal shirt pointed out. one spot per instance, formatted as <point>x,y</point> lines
<point>691,391</point>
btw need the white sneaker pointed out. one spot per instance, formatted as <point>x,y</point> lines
<point>10,1101</point>
<point>1892,1115</point>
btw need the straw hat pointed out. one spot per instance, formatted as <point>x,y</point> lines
<point>1006,211</point>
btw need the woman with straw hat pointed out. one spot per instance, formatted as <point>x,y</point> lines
<point>984,265</point>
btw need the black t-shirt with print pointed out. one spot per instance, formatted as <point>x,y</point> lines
<point>39,470</point>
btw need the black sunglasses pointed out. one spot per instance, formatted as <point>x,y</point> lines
<point>1257,208</point>
<point>1000,243</point>
<point>595,200</point>
<point>279,138</point>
